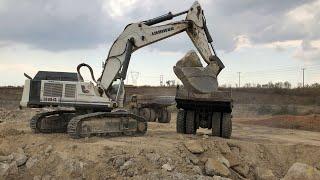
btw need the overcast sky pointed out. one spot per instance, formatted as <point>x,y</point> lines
<point>264,40</point>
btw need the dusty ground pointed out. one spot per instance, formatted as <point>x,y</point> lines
<point>160,154</point>
<point>308,122</point>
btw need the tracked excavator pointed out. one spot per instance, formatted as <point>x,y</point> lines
<point>96,107</point>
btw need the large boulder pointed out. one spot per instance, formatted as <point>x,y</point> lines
<point>20,158</point>
<point>242,169</point>
<point>302,171</point>
<point>194,76</point>
<point>215,167</point>
<point>194,147</point>
<point>233,159</point>
<point>8,158</point>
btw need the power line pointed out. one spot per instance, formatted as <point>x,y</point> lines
<point>303,76</point>
<point>239,79</point>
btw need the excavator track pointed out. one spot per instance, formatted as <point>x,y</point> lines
<point>107,124</point>
<point>51,122</point>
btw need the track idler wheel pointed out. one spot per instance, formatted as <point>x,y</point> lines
<point>142,127</point>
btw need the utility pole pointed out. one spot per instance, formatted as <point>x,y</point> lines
<point>239,79</point>
<point>161,80</point>
<point>303,77</point>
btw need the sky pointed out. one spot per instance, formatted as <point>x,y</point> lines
<point>263,40</point>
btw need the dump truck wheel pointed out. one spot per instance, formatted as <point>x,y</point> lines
<point>165,116</point>
<point>190,123</point>
<point>147,114</point>
<point>181,123</point>
<point>135,111</point>
<point>153,116</point>
<point>216,124</point>
<point>226,125</point>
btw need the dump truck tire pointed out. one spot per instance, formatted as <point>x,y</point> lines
<point>226,125</point>
<point>190,123</point>
<point>135,111</point>
<point>148,114</point>
<point>165,116</point>
<point>153,116</point>
<point>181,123</point>
<point>216,124</point>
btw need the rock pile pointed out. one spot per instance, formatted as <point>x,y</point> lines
<point>9,164</point>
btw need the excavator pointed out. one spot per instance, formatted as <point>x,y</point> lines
<point>96,108</point>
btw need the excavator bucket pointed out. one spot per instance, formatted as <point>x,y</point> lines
<point>194,76</point>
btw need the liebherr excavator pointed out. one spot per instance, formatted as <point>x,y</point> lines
<point>96,106</point>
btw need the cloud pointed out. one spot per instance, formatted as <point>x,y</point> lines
<point>67,24</point>
<point>56,25</point>
<point>309,51</point>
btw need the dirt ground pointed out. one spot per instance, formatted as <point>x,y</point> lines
<point>160,154</point>
<point>308,122</point>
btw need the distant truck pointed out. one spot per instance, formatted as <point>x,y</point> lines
<point>151,107</point>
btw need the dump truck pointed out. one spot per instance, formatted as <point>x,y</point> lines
<point>152,108</point>
<point>199,101</point>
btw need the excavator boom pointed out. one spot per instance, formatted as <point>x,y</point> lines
<point>138,35</point>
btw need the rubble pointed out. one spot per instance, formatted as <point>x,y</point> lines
<point>167,167</point>
<point>31,162</point>
<point>197,170</point>
<point>300,171</point>
<point>20,158</point>
<point>193,159</point>
<point>153,157</point>
<point>264,174</point>
<point>48,149</point>
<point>8,169</point>
<point>220,178</point>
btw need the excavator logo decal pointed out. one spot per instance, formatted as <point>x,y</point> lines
<point>162,31</point>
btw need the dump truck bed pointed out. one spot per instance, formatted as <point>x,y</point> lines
<point>218,101</point>
<point>147,100</point>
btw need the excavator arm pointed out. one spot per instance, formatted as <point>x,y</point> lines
<point>138,35</point>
